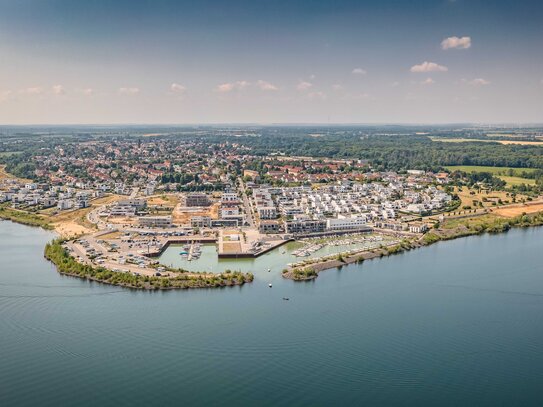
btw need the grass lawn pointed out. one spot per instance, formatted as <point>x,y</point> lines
<point>513,176</point>
<point>454,223</point>
<point>517,172</point>
<point>517,180</point>
<point>461,140</point>
<point>467,196</point>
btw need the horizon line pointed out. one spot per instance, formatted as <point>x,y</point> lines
<point>321,124</point>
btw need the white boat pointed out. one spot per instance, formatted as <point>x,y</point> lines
<point>270,285</point>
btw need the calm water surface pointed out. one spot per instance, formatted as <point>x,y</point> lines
<point>275,260</point>
<point>457,323</point>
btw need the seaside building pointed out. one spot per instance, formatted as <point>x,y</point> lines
<point>155,221</point>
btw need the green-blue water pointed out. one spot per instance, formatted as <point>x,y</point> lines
<point>457,323</point>
<point>275,260</point>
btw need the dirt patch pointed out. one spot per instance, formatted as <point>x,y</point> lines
<point>231,247</point>
<point>74,222</point>
<point>523,143</point>
<point>70,229</point>
<point>516,210</point>
<point>182,215</point>
<point>164,200</point>
<point>120,220</point>
<point>111,236</point>
<point>467,197</point>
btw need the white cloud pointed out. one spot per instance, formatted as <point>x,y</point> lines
<point>242,84</point>
<point>360,96</point>
<point>303,85</point>
<point>428,67</point>
<point>395,84</point>
<point>225,87</point>
<point>478,82</point>
<point>359,71</point>
<point>230,86</point>
<point>5,95</point>
<point>129,91</point>
<point>312,77</point>
<point>317,95</point>
<point>87,91</point>
<point>36,90</point>
<point>428,81</point>
<point>58,90</point>
<point>456,43</point>
<point>177,88</point>
<point>266,85</point>
<point>337,87</point>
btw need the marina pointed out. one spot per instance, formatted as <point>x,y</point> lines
<point>313,245</point>
<point>275,260</point>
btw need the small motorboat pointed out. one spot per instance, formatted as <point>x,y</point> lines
<point>286,298</point>
<point>269,270</point>
<point>270,285</point>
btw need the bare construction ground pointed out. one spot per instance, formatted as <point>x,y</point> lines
<point>181,215</point>
<point>163,200</point>
<point>516,210</point>
<point>73,223</point>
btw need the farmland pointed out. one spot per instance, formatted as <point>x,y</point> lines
<point>512,176</point>
<point>478,140</point>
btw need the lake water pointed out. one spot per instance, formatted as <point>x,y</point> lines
<point>457,323</point>
<point>275,260</point>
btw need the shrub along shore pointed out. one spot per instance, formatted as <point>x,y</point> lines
<point>66,264</point>
<point>467,227</point>
<point>24,218</point>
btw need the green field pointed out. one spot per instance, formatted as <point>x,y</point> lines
<point>461,140</point>
<point>536,142</point>
<point>513,176</point>
<point>517,180</point>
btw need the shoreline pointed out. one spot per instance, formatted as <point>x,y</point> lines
<point>67,265</point>
<point>470,226</point>
<point>25,218</point>
<point>312,270</point>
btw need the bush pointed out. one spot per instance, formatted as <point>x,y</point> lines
<point>66,264</point>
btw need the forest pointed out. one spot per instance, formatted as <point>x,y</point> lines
<point>386,147</point>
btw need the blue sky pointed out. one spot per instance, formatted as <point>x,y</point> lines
<point>162,61</point>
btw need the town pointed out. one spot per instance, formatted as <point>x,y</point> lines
<point>122,204</point>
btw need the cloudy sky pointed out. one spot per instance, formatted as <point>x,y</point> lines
<point>271,61</point>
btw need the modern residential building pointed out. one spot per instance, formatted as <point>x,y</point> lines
<point>155,221</point>
<point>305,226</point>
<point>193,199</point>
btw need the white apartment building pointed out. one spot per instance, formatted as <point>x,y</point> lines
<point>344,223</point>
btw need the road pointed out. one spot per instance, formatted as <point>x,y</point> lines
<point>247,204</point>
